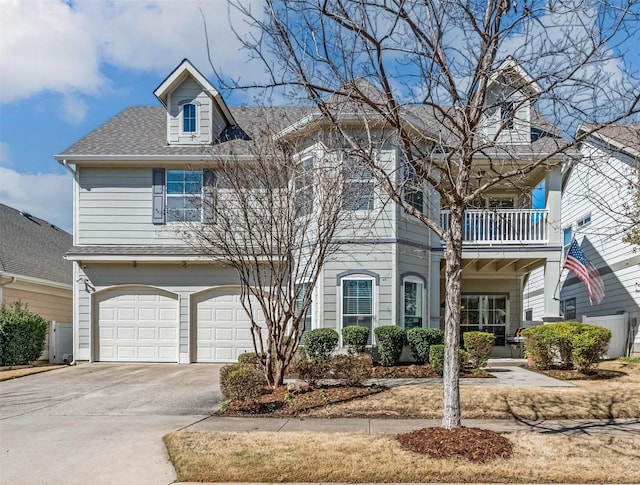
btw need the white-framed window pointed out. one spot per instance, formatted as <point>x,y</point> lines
<point>567,238</point>
<point>189,124</point>
<point>304,193</point>
<point>412,302</point>
<point>507,113</point>
<point>412,191</point>
<point>358,186</point>
<point>184,195</point>
<point>584,221</point>
<point>301,292</point>
<point>358,302</point>
<point>486,313</point>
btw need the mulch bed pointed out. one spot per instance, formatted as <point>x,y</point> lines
<point>283,402</point>
<point>573,374</point>
<point>473,444</point>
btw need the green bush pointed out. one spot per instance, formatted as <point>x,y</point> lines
<point>250,358</point>
<point>241,382</point>
<point>420,339</point>
<point>22,335</point>
<point>568,343</point>
<point>309,370</point>
<point>355,338</point>
<point>479,346</point>
<point>390,340</point>
<point>352,369</point>
<point>588,345</point>
<point>436,358</point>
<point>321,342</point>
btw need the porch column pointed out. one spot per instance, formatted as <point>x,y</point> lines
<point>553,192</point>
<point>551,291</point>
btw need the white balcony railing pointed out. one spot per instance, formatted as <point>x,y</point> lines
<point>496,227</point>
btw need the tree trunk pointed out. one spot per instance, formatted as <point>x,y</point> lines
<point>453,272</point>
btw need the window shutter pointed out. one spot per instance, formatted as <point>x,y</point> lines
<point>209,199</point>
<point>158,196</point>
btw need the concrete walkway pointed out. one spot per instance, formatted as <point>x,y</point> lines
<point>616,427</point>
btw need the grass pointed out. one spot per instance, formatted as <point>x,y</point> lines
<point>588,399</point>
<point>6,375</point>
<point>353,458</point>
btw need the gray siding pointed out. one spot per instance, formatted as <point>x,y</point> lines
<point>115,208</point>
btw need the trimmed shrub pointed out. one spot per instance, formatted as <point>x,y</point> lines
<point>390,339</point>
<point>22,335</point>
<point>352,369</point>
<point>567,343</point>
<point>479,346</point>
<point>420,339</point>
<point>588,345</point>
<point>309,370</point>
<point>320,343</point>
<point>241,382</point>
<point>436,358</point>
<point>250,358</point>
<point>355,338</point>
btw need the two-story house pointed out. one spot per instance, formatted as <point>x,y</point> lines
<point>596,194</point>
<point>141,294</point>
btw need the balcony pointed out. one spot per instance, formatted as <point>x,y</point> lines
<point>500,227</point>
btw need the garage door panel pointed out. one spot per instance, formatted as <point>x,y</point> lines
<point>223,328</point>
<point>138,324</point>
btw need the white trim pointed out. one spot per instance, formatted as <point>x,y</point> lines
<point>421,281</point>
<point>374,302</point>
<point>37,281</point>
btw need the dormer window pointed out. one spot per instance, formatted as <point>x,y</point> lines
<point>507,112</point>
<point>189,118</point>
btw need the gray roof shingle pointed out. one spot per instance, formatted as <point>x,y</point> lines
<point>32,247</point>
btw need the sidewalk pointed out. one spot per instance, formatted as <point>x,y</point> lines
<point>616,427</point>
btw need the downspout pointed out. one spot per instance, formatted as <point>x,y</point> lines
<point>66,165</point>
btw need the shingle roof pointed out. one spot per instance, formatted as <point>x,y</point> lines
<point>627,135</point>
<point>32,247</point>
<point>141,131</point>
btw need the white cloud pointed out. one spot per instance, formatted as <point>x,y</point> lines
<point>62,46</point>
<point>74,109</point>
<point>5,155</point>
<point>45,195</point>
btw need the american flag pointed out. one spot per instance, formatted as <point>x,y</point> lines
<point>579,265</point>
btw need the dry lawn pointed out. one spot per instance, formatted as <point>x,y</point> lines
<point>353,458</point>
<point>6,375</point>
<point>589,399</point>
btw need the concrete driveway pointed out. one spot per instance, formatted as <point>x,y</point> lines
<point>100,423</point>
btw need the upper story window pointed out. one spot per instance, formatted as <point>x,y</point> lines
<point>184,195</point>
<point>584,221</point>
<point>358,188</point>
<point>189,124</point>
<point>567,238</point>
<point>304,188</point>
<point>412,193</point>
<point>507,113</point>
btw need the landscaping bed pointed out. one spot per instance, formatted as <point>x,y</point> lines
<point>285,402</point>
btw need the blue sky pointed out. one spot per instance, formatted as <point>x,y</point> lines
<point>68,66</point>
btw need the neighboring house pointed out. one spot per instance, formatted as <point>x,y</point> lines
<point>33,268</point>
<point>595,197</point>
<point>141,294</point>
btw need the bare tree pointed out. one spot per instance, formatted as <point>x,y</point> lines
<point>273,211</point>
<point>384,58</point>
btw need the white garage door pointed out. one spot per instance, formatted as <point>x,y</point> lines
<point>138,325</point>
<point>223,327</point>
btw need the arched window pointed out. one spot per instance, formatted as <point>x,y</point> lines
<point>413,301</point>
<point>189,118</point>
